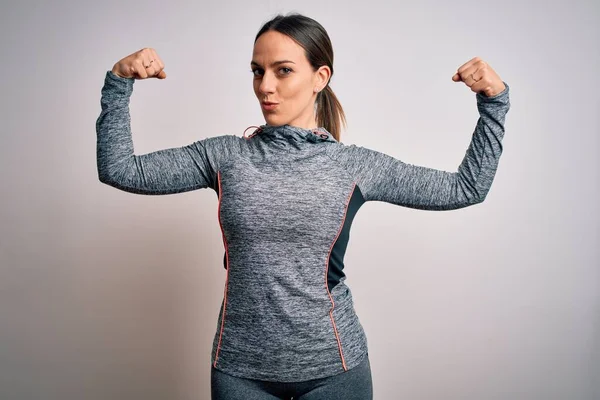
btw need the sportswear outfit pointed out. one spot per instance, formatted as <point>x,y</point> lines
<point>286,200</point>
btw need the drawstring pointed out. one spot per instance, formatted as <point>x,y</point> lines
<point>253,133</point>
<point>320,134</point>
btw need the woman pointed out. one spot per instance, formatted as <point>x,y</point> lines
<point>288,194</point>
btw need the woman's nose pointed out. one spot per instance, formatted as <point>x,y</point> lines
<point>267,83</point>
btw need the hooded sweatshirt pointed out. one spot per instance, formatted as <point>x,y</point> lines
<point>286,200</point>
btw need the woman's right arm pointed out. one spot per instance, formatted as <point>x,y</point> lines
<point>165,171</point>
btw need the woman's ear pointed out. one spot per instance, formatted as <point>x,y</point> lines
<point>323,76</point>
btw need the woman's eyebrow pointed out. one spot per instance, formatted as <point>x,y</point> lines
<point>254,63</point>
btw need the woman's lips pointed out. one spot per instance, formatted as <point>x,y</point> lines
<point>269,106</point>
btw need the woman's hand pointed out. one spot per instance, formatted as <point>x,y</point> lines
<point>480,77</point>
<point>142,64</point>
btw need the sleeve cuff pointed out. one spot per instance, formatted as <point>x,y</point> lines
<point>504,93</point>
<point>113,77</point>
<point>116,85</point>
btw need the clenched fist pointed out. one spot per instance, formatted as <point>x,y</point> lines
<point>142,64</point>
<point>480,77</point>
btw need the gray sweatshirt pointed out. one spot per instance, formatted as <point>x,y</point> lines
<point>286,200</point>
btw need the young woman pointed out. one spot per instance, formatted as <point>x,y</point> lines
<point>287,195</point>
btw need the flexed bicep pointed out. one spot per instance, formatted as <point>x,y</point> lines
<point>382,177</point>
<point>164,171</point>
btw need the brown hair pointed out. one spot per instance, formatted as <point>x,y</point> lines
<point>311,35</point>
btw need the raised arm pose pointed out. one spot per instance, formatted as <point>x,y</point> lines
<point>287,194</point>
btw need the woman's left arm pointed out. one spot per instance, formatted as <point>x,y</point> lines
<point>381,177</point>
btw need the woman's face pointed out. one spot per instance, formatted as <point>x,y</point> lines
<point>283,75</point>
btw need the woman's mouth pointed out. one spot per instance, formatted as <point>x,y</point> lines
<point>268,106</point>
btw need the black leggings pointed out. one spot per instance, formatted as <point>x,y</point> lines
<point>354,384</point>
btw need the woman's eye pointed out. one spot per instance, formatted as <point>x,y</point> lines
<point>259,71</point>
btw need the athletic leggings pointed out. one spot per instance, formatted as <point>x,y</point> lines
<point>354,384</point>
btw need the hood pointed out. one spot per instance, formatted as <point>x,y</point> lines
<point>291,135</point>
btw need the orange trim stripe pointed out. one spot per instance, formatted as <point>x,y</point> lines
<point>226,275</point>
<point>326,273</point>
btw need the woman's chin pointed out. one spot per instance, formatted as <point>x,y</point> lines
<point>272,121</point>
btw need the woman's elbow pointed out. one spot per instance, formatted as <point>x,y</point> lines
<point>111,177</point>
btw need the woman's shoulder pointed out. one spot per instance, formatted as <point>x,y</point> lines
<point>222,147</point>
<point>343,151</point>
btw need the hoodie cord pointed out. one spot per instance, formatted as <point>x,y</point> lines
<point>256,131</point>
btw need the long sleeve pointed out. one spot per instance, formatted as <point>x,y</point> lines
<point>164,171</point>
<point>381,177</point>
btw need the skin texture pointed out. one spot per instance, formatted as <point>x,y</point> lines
<point>142,64</point>
<point>480,77</point>
<point>293,84</point>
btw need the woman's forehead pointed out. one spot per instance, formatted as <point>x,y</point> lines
<point>273,46</point>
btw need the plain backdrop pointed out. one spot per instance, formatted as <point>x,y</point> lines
<point>111,295</point>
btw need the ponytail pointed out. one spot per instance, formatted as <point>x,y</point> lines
<point>330,113</point>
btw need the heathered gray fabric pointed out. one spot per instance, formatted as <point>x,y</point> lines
<point>283,196</point>
<point>355,384</point>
